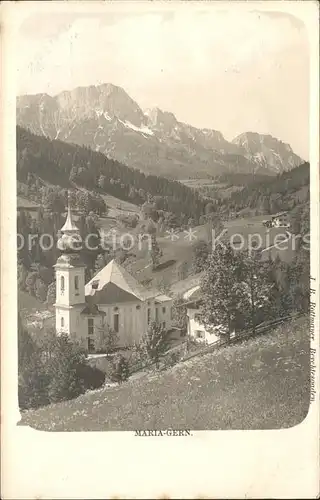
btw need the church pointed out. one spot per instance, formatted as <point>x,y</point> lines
<point>112,298</point>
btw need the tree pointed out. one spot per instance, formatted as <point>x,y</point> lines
<point>101,261</point>
<point>101,181</point>
<point>200,256</point>
<point>22,275</point>
<point>155,252</point>
<point>209,208</point>
<point>257,286</point>
<point>119,369</point>
<point>154,342</point>
<point>51,293</point>
<point>179,313</point>
<point>222,291</point>
<point>41,290</point>
<point>62,368</point>
<point>182,270</point>
<point>108,338</point>
<point>31,282</point>
<point>32,379</point>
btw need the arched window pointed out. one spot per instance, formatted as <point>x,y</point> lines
<point>62,322</point>
<point>62,284</point>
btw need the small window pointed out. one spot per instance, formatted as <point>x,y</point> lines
<point>62,322</point>
<point>62,285</point>
<point>197,317</point>
<point>199,334</point>
<point>164,324</point>
<point>90,326</point>
<point>138,307</point>
<point>116,308</point>
<point>163,310</point>
<point>116,323</point>
<point>76,284</point>
<point>157,314</point>
<point>95,284</point>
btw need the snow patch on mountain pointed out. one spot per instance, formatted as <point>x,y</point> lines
<point>142,129</point>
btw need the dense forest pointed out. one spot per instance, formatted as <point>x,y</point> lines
<point>283,192</point>
<point>66,164</point>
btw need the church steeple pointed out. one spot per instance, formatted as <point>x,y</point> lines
<point>70,277</point>
<point>69,226</point>
<point>70,241</point>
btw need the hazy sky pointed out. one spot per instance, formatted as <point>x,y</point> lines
<point>221,70</point>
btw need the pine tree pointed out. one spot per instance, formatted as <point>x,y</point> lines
<point>154,342</point>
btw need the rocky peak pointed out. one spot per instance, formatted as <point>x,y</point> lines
<point>268,151</point>
<point>104,98</point>
<point>158,119</point>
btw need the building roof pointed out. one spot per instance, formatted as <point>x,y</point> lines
<point>193,297</point>
<point>279,214</point>
<point>191,293</point>
<point>24,203</point>
<point>117,275</point>
<point>162,298</point>
<point>92,310</point>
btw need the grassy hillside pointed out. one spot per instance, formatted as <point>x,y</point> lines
<point>262,383</point>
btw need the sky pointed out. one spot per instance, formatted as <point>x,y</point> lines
<point>220,69</point>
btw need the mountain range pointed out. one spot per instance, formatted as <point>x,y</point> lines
<point>106,119</point>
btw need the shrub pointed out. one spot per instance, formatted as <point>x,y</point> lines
<point>119,369</point>
<point>91,376</point>
<point>52,368</point>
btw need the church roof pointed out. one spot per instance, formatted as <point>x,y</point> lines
<point>162,298</point>
<point>116,274</point>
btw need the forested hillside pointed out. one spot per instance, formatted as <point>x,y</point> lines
<point>270,195</point>
<point>61,163</point>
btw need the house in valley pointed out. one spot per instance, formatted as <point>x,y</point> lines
<point>196,329</point>
<point>280,220</point>
<point>111,299</point>
<point>28,207</point>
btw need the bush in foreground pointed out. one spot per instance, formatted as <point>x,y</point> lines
<point>52,369</point>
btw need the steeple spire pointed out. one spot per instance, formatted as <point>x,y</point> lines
<point>69,226</point>
<point>70,241</point>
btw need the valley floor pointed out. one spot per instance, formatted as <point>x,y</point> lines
<point>262,383</point>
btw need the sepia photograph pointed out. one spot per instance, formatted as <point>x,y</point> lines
<point>160,276</point>
<point>163,221</point>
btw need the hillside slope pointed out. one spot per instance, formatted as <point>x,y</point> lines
<point>65,165</point>
<point>106,119</point>
<point>262,383</point>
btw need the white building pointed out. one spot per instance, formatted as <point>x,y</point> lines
<point>280,220</point>
<point>113,297</point>
<point>196,329</point>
